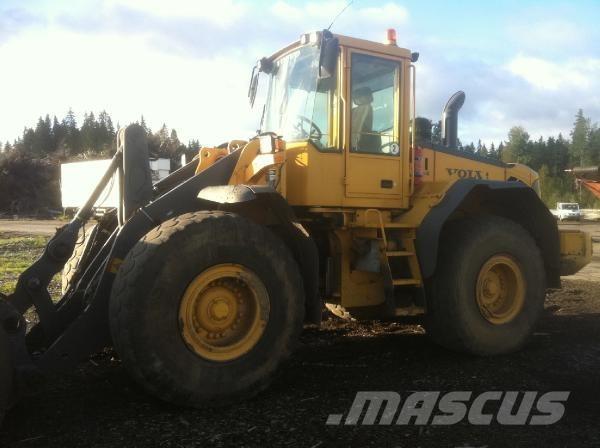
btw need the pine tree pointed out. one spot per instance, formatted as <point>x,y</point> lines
<point>72,136</point>
<point>175,138</point>
<point>89,133</point>
<point>500,151</point>
<point>193,145</point>
<point>105,133</point>
<point>143,125</point>
<point>579,140</point>
<point>481,149</point>
<point>59,134</point>
<point>163,134</point>
<point>42,137</point>
<point>26,143</point>
<point>594,145</point>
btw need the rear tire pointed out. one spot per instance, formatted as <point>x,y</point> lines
<point>72,265</point>
<point>489,289</point>
<point>153,286</point>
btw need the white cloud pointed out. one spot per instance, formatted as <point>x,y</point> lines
<point>187,64</point>
<point>550,75</point>
<point>223,12</point>
<point>201,98</point>
<point>165,60</point>
<point>321,14</point>
<point>551,34</point>
<point>390,13</point>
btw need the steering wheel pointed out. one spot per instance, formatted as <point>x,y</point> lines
<point>314,133</point>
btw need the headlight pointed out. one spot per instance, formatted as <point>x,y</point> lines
<point>266,144</point>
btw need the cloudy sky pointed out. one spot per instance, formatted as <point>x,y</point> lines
<point>187,62</point>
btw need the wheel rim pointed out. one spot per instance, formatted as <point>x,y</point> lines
<point>500,289</point>
<point>224,312</point>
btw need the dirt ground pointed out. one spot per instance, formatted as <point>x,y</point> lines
<point>98,405</point>
<point>30,226</point>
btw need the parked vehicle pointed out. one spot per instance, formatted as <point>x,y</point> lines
<point>568,211</point>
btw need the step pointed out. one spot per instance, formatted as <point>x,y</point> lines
<point>399,253</point>
<point>406,281</point>
<point>398,225</point>
<point>409,311</point>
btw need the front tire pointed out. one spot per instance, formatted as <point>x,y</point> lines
<point>489,289</point>
<point>205,308</point>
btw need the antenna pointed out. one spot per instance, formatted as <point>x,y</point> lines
<point>339,14</point>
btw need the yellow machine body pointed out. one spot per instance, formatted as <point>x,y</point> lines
<point>373,197</point>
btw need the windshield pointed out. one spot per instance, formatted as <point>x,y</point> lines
<point>298,103</point>
<point>570,206</point>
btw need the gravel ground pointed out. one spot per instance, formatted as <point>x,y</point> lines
<point>99,406</point>
<point>31,226</point>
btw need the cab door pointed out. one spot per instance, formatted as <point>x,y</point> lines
<point>373,142</point>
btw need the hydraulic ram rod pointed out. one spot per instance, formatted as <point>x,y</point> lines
<point>85,212</point>
<point>33,283</point>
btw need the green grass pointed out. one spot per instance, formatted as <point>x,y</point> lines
<point>17,252</point>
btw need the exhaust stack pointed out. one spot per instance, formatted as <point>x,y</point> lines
<point>450,119</point>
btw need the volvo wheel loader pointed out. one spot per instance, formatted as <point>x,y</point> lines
<point>203,281</point>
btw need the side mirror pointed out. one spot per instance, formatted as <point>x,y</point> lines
<point>329,56</point>
<point>263,65</point>
<point>253,85</point>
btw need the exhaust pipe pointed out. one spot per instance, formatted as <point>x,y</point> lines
<point>586,172</point>
<point>450,119</point>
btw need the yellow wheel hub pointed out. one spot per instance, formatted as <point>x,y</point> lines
<point>223,312</point>
<point>500,289</point>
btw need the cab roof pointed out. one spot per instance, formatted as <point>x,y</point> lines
<point>353,42</point>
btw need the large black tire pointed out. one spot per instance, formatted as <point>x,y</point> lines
<point>6,375</point>
<point>455,319</point>
<point>148,291</point>
<point>72,265</point>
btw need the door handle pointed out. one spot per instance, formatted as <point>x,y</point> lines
<point>387,183</point>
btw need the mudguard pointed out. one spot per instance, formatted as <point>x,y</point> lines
<point>513,200</point>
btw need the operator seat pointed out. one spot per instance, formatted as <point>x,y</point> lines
<point>363,137</point>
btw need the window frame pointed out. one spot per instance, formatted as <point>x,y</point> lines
<point>397,107</point>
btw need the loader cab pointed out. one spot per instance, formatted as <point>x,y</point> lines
<point>342,105</point>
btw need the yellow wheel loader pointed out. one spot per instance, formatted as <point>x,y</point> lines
<point>203,281</point>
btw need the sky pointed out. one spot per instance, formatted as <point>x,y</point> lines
<point>187,63</point>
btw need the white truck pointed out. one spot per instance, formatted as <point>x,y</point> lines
<point>567,211</point>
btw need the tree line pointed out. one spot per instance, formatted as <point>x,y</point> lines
<point>550,157</point>
<point>94,139</point>
<point>30,165</point>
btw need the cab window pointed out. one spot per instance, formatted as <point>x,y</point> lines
<point>374,83</point>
